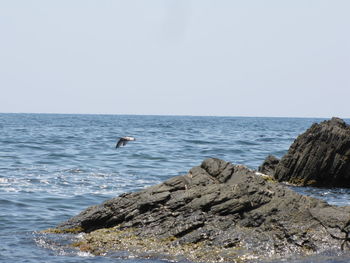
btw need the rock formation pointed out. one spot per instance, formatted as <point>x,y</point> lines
<point>318,157</point>
<point>217,212</point>
<point>269,165</point>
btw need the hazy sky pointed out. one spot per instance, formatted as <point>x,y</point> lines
<point>178,57</point>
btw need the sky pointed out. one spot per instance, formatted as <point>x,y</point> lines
<point>268,58</point>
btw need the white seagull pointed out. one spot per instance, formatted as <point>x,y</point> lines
<point>123,140</point>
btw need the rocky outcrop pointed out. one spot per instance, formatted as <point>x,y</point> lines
<point>216,212</point>
<point>318,157</point>
<point>269,165</point>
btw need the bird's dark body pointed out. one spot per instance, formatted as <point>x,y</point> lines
<point>124,140</point>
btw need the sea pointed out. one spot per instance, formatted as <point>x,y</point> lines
<point>53,166</point>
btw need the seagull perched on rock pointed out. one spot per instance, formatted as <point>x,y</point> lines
<point>123,140</point>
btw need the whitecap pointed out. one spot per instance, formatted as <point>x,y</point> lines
<point>84,254</point>
<point>4,180</point>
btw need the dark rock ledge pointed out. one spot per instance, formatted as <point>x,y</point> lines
<point>217,212</point>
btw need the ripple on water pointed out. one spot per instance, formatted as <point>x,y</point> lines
<point>333,196</point>
<point>246,142</point>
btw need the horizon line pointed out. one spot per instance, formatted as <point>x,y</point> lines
<point>175,115</point>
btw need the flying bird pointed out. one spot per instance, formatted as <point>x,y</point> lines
<point>123,141</point>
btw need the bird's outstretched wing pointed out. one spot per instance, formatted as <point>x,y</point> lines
<point>121,142</point>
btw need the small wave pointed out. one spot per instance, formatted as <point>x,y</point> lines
<point>5,202</point>
<point>201,142</point>
<point>4,180</point>
<point>334,196</point>
<point>59,155</point>
<point>215,151</point>
<point>149,157</point>
<point>241,142</point>
<point>33,147</point>
<point>266,139</point>
<point>100,175</point>
<point>141,165</point>
<point>11,190</point>
<point>9,156</point>
<point>85,254</point>
<point>57,243</point>
<point>74,170</point>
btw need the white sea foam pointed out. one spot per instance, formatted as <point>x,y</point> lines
<point>4,181</point>
<point>80,235</point>
<point>84,254</point>
<point>260,174</point>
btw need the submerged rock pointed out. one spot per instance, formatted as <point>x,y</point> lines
<point>216,212</point>
<point>318,157</point>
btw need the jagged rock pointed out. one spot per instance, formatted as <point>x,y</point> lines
<point>318,157</point>
<point>217,212</point>
<point>269,165</point>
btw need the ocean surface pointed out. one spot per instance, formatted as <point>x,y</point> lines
<point>53,166</point>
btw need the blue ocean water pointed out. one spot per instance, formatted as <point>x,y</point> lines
<point>54,166</point>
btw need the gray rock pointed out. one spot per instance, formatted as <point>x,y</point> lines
<point>269,165</point>
<point>318,157</point>
<point>218,211</point>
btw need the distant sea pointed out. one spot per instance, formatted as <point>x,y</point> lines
<point>54,166</point>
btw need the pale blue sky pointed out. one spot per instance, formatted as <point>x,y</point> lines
<point>178,57</point>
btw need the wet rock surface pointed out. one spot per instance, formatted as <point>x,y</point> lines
<point>318,157</point>
<point>216,212</point>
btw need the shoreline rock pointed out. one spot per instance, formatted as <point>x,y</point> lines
<point>268,167</point>
<point>216,212</point>
<point>318,157</point>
